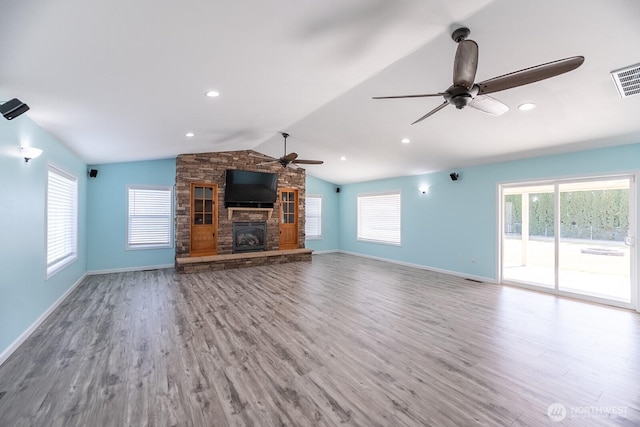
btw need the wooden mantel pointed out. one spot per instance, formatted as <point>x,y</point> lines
<point>268,210</point>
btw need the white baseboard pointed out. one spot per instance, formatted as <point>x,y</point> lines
<point>425,267</point>
<point>126,269</point>
<point>23,337</point>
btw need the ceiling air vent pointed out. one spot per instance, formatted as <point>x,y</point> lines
<point>627,80</point>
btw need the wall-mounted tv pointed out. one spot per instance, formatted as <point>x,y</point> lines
<point>250,189</point>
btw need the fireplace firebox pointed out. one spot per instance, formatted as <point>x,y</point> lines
<point>249,237</point>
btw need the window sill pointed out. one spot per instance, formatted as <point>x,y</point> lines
<point>147,247</point>
<point>61,265</point>
<point>380,242</point>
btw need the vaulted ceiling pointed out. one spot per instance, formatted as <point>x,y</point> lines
<point>121,81</point>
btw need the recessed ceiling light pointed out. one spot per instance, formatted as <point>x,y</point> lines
<point>527,106</point>
<point>343,158</point>
<point>189,134</point>
<point>405,140</point>
<point>212,93</point>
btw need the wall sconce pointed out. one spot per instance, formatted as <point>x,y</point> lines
<point>30,153</point>
<point>424,189</point>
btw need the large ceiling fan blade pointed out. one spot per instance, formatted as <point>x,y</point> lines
<point>290,157</point>
<point>488,105</point>
<point>465,64</point>
<point>308,162</point>
<point>424,95</point>
<point>530,75</point>
<point>270,162</point>
<point>430,113</point>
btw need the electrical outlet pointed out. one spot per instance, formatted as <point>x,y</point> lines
<point>473,259</point>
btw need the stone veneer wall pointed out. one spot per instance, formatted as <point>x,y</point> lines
<point>210,168</point>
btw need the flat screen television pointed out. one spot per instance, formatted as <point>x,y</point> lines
<point>250,189</point>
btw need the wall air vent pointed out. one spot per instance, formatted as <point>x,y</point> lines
<point>627,80</point>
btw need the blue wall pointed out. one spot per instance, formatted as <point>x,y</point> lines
<point>444,229</point>
<point>330,223</point>
<point>25,292</point>
<point>457,221</point>
<point>107,220</point>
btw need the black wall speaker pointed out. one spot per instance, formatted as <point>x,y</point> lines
<point>454,176</point>
<point>337,189</point>
<point>13,108</point>
<point>93,173</point>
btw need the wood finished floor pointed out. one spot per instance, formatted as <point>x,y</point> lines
<point>341,340</point>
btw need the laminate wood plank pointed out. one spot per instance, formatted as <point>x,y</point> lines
<point>340,340</point>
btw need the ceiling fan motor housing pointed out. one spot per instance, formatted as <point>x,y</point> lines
<point>459,96</point>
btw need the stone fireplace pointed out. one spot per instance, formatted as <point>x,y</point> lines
<point>209,168</point>
<point>249,236</point>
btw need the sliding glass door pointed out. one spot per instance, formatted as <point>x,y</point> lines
<point>595,256</point>
<point>528,237</point>
<point>570,237</point>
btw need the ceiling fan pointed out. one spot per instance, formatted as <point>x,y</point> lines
<point>464,92</point>
<point>291,158</point>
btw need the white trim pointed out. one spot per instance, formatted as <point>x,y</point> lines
<point>561,179</point>
<point>424,267</point>
<point>127,269</point>
<point>31,329</point>
<point>379,193</point>
<point>570,295</point>
<point>633,231</point>
<point>499,231</point>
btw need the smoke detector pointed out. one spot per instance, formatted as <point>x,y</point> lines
<point>627,80</point>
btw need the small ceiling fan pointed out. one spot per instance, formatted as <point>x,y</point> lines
<point>464,92</point>
<point>289,159</point>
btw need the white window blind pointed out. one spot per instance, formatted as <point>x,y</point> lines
<point>62,219</point>
<point>313,217</point>
<point>379,218</point>
<point>150,217</point>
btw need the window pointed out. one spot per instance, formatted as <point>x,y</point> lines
<point>379,218</point>
<point>62,219</point>
<point>313,217</point>
<point>149,223</point>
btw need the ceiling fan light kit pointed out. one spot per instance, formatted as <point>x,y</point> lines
<point>464,92</point>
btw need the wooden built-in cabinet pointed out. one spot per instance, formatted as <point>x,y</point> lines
<point>288,218</point>
<point>204,219</point>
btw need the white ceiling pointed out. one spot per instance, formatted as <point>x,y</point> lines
<point>121,81</point>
